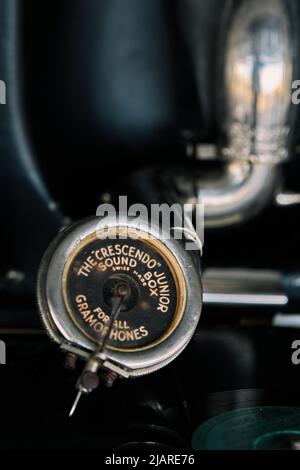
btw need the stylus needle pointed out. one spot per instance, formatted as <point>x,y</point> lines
<point>78,396</point>
<point>89,380</point>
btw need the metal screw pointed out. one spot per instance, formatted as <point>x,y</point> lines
<point>70,361</point>
<point>109,378</point>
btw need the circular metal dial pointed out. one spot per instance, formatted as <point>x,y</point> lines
<point>156,302</point>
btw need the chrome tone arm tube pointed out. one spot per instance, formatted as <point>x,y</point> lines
<point>257,115</point>
<point>244,287</point>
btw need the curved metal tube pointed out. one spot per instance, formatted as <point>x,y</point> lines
<point>258,71</point>
<point>242,192</point>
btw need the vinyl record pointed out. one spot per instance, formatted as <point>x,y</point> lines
<point>255,428</point>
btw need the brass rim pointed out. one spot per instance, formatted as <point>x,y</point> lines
<point>168,257</point>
